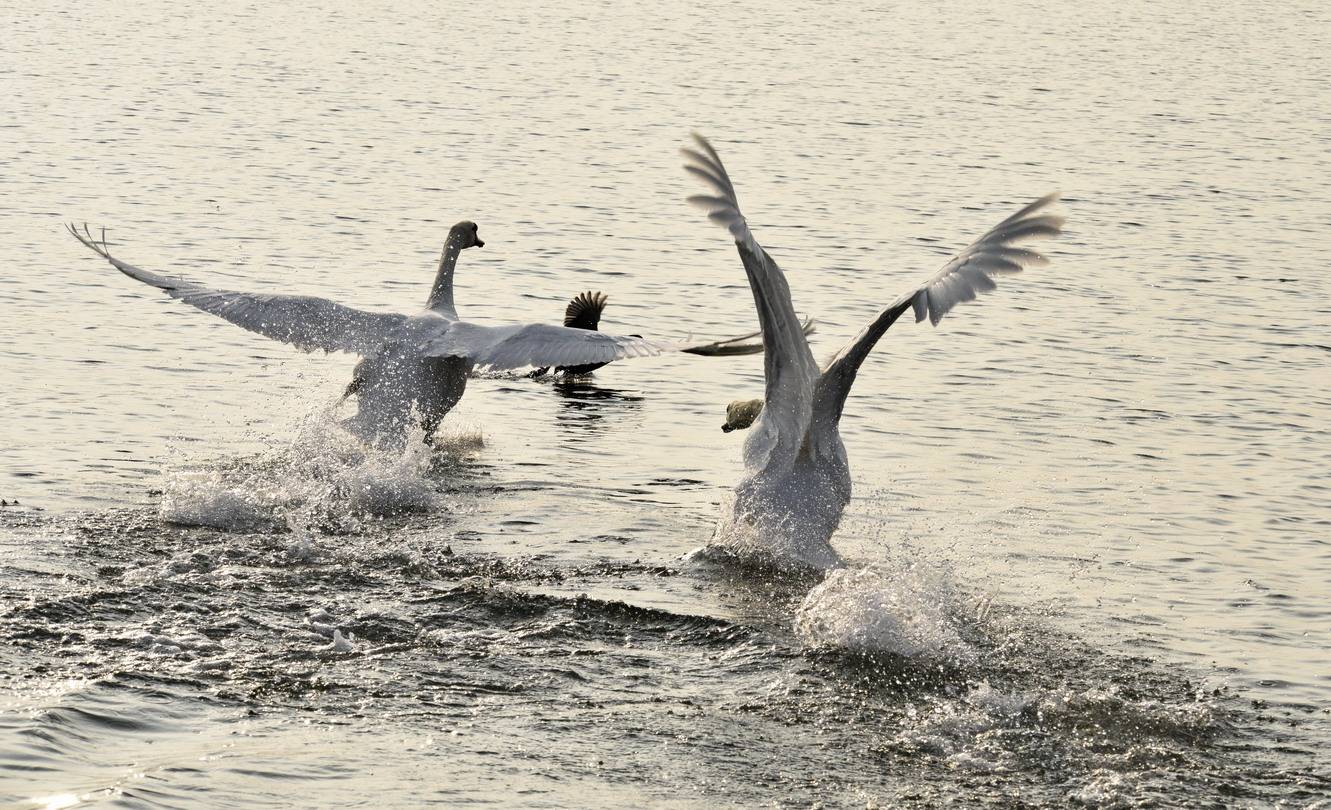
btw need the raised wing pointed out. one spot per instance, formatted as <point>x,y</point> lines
<point>306,322</point>
<point>789,365</point>
<point>584,311</point>
<point>964,276</point>
<point>498,348</point>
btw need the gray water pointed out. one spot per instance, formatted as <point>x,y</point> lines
<point>1092,520</point>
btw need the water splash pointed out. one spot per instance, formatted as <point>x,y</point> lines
<point>323,480</point>
<point>983,728</point>
<point>911,612</point>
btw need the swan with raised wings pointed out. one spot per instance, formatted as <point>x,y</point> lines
<point>416,366</point>
<point>797,482</point>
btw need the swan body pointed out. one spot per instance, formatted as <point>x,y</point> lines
<point>415,366</point>
<point>398,390</point>
<point>797,482</point>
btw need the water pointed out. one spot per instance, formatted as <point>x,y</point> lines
<point>1093,506</point>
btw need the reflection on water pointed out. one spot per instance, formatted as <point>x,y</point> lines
<point>1105,483</point>
<point>580,393</point>
<point>586,404</point>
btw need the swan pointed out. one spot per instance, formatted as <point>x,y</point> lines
<point>796,481</point>
<point>415,366</point>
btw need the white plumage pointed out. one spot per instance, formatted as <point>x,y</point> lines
<point>797,476</point>
<point>416,366</point>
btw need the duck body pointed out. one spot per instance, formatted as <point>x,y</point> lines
<point>584,312</point>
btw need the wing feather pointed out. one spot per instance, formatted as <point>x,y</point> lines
<point>741,344</point>
<point>584,311</point>
<point>965,275</point>
<point>789,366</point>
<point>500,348</point>
<point>303,321</point>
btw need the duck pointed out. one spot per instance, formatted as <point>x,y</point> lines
<point>796,482</point>
<point>414,366</point>
<point>583,312</point>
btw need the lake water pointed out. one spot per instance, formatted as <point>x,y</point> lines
<point>1091,532</point>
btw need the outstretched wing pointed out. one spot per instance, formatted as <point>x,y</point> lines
<point>306,322</point>
<point>585,310</point>
<point>752,343</point>
<point>964,276</point>
<point>498,348</point>
<point>789,365</point>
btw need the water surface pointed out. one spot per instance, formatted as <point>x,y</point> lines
<point>1095,502</point>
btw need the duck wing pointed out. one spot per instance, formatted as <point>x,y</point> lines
<point>584,311</point>
<point>304,321</point>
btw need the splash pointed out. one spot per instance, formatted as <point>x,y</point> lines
<point>322,481</point>
<point>1117,732</point>
<point>777,541</point>
<point>909,612</point>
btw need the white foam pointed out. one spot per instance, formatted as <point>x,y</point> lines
<point>323,479</point>
<point>907,612</point>
<point>1104,788</point>
<point>969,727</point>
<point>183,564</point>
<point>341,643</point>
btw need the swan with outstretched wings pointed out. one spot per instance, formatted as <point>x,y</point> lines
<point>797,476</point>
<point>415,366</point>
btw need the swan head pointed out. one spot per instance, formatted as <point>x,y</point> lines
<point>741,413</point>
<point>465,235</point>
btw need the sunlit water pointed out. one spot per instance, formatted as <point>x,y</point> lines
<point>1093,507</point>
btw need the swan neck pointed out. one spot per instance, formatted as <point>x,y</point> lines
<point>441,295</point>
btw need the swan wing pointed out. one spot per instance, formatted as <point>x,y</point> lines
<point>306,322</point>
<point>499,348</point>
<point>584,312</point>
<point>961,279</point>
<point>751,343</point>
<point>789,366</point>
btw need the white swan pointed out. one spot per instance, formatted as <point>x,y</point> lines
<point>797,477</point>
<point>416,366</point>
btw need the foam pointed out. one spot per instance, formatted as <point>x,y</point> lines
<point>322,480</point>
<point>341,643</point>
<point>1104,788</point>
<point>907,612</point>
<point>969,726</point>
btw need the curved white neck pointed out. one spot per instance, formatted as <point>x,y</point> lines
<point>441,295</point>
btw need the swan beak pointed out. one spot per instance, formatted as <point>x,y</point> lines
<point>480,243</point>
<point>727,427</point>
